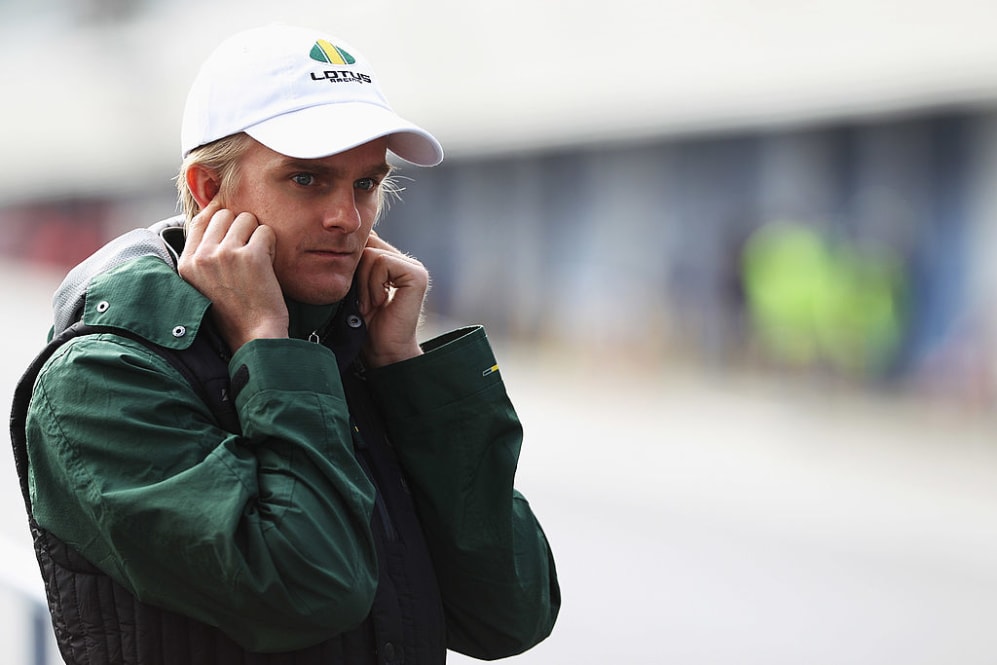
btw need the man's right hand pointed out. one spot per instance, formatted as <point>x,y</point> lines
<point>229,259</point>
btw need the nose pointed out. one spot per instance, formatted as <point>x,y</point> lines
<point>341,211</point>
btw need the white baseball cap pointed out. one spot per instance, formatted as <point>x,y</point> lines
<point>300,93</point>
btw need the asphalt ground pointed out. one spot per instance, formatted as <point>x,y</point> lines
<point>702,518</point>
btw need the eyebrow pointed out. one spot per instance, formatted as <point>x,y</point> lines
<point>380,169</point>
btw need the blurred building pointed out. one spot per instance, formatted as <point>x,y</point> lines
<point>638,247</point>
<point>606,169</point>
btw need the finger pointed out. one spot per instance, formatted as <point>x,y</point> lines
<point>263,238</point>
<point>218,226</point>
<point>362,276</point>
<point>379,244</point>
<point>394,255</point>
<point>375,275</point>
<point>375,241</point>
<point>195,228</point>
<point>241,229</point>
<point>381,271</point>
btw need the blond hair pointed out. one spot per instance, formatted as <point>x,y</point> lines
<point>222,157</point>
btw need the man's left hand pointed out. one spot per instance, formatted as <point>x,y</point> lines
<point>392,288</point>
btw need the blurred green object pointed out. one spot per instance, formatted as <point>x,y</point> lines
<point>817,302</point>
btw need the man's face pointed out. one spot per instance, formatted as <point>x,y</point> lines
<point>321,210</point>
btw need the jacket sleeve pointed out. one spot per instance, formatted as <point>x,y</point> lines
<point>458,438</point>
<point>265,534</point>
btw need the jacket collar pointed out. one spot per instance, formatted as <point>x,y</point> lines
<point>146,297</point>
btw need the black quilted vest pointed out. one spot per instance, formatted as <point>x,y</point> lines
<point>98,622</point>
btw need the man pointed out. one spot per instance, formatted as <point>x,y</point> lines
<point>357,504</point>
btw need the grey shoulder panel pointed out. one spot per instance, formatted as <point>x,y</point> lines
<point>67,302</point>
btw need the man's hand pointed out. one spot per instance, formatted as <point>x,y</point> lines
<point>392,287</point>
<point>229,259</point>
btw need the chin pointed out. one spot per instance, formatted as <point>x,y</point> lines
<point>319,296</point>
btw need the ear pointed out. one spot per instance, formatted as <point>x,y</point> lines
<point>203,183</point>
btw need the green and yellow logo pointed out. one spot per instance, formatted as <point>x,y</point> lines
<point>324,51</point>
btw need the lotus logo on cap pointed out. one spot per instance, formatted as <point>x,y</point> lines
<point>324,51</point>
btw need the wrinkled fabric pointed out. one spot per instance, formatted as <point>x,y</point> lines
<point>302,528</point>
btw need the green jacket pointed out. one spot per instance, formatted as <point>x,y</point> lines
<point>267,534</point>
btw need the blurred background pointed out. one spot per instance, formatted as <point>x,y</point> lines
<point>736,258</point>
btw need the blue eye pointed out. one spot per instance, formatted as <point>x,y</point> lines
<point>366,184</point>
<point>303,179</point>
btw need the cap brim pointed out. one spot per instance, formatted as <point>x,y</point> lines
<point>320,131</point>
